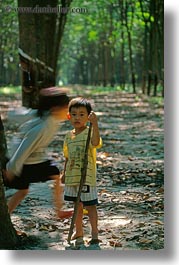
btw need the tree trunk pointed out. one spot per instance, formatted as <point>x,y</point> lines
<point>149,82</point>
<point>40,34</point>
<point>8,237</point>
<point>122,53</point>
<point>161,44</point>
<point>100,64</point>
<point>155,85</point>
<point>129,30</point>
<point>146,50</point>
<point>105,64</point>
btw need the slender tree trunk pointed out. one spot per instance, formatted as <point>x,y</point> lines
<point>100,64</point>
<point>8,237</point>
<point>122,54</point>
<point>122,64</point>
<point>146,50</point>
<point>145,63</point>
<point>112,68</point>
<point>161,44</point>
<point>103,65</point>
<point>92,65</point>
<point>129,29</point>
<point>131,62</point>
<point>149,82</point>
<point>155,85</point>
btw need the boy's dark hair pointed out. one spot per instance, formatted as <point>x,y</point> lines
<point>80,102</point>
<point>51,97</point>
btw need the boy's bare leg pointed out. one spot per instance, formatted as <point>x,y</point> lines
<point>93,218</point>
<point>16,199</point>
<point>78,223</point>
<point>58,199</point>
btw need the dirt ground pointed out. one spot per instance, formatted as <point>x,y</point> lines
<point>130,177</point>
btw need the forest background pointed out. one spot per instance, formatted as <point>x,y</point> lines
<point>105,43</point>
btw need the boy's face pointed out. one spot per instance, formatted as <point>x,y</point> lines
<point>78,117</point>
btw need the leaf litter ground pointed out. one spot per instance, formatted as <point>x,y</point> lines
<point>130,179</point>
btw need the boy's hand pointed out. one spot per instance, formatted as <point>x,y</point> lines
<point>93,118</point>
<point>95,138</point>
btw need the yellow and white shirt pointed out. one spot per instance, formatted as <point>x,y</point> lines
<point>74,151</point>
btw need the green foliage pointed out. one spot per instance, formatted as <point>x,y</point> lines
<point>7,90</point>
<point>103,90</point>
<point>8,40</point>
<point>159,101</point>
<point>93,44</point>
<point>87,34</point>
<point>10,90</point>
<point>92,35</point>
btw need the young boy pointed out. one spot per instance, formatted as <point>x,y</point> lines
<point>80,112</point>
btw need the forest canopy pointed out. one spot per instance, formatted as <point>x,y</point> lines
<point>105,43</point>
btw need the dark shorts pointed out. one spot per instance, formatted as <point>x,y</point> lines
<point>88,194</point>
<point>33,173</point>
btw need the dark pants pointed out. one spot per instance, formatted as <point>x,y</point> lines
<point>40,172</point>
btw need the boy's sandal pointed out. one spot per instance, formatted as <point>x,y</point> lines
<point>94,241</point>
<point>65,214</point>
<point>79,240</point>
